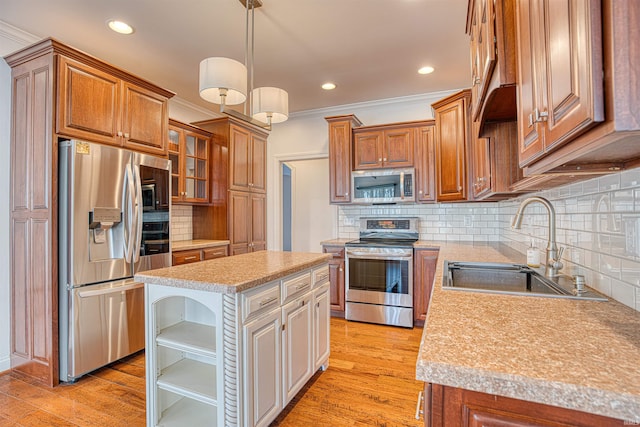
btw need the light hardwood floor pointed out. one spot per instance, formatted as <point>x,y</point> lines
<point>370,382</point>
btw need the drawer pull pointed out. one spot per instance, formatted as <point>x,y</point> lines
<point>304,285</point>
<point>189,258</point>
<point>267,301</point>
<point>418,405</point>
<point>322,277</point>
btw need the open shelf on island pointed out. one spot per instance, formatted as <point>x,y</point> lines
<point>188,412</point>
<point>192,379</point>
<point>189,336</point>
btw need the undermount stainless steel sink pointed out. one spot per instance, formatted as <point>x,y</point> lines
<point>511,279</point>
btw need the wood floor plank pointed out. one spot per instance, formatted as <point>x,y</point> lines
<point>370,381</point>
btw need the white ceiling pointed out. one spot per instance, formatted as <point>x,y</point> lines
<point>371,49</point>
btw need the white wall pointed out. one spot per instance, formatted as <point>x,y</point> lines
<point>310,197</point>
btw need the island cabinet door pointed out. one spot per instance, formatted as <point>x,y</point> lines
<point>321,322</point>
<point>263,364</point>
<point>297,345</point>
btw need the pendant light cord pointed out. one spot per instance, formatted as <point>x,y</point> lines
<point>249,55</point>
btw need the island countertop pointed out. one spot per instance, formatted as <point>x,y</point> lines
<point>582,355</point>
<point>235,273</point>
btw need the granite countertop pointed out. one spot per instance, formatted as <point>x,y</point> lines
<point>183,245</point>
<point>582,355</point>
<point>235,273</point>
<point>335,242</point>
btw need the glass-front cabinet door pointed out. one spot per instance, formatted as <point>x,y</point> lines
<point>189,156</point>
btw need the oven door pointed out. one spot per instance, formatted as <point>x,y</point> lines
<point>380,276</point>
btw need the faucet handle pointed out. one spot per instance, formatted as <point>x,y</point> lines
<point>557,262</point>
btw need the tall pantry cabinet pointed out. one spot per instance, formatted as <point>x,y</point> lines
<point>58,91</point>
<point>243,149</point>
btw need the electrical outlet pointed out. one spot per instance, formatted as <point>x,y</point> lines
<point>467,220</point>
<point>632,236</point>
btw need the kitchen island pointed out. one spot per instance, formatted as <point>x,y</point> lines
<point>230,341</point>
<point>525,353</point>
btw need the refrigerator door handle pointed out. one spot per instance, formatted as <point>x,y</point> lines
<point>137,243</point>
<point>129,220</point>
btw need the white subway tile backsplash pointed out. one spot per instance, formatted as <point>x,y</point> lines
<point>597,220</point>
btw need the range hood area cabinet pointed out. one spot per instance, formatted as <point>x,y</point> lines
<point>237,211</point>
<point>386,146</point>
<point>395,145</point>
<point>582,117</point>
<point>53,86</point>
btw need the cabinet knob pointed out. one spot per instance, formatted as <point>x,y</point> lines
<point>346,194</point>
<point>340,269</point>
<point>460,188</point>
<point>119,133</point>
<point>126,135</point>
<point>384,160</point>
<point>379,159</point>
<point>420,192</point>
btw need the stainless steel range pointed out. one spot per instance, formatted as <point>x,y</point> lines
<point>379,276</point>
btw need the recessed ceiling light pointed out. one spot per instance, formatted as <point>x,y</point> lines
<point>120,26</point>
<point>425,70</point>
<point>328,86</point>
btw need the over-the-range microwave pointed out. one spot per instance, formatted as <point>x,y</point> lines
<point>382,186</point>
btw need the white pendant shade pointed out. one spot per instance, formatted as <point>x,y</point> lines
<point>270,104</point>
<point>218,73</point>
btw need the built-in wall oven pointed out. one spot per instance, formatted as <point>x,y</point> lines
<point>379,272</point>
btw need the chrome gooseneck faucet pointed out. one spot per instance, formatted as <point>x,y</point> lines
<point>553,263</point>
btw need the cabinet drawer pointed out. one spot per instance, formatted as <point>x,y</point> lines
<point>296,285</point>
<point>186,257</point>
<point>260,299</point>
<point>212,253</point>
<point>320,276</point>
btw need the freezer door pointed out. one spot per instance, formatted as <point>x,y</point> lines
<point>96,213</point>
<point>152,209</point>
<point>108,324</point>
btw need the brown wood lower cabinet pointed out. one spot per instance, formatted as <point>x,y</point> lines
<point>336,279</point>
<point>248,228</point>
<point>196,255</point>
<point>424,269</point>
<point>456,407</point>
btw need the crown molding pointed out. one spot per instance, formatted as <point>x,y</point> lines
<point>14,34</point>
<point>336,109</point>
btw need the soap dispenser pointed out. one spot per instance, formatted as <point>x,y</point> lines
<point>533,255</point>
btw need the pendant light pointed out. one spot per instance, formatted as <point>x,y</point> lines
<point>225,81</point>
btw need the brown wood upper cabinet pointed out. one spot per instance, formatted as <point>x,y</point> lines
<point>491,27</point>
<point>248,155</point>
<point>426,163</point>
<point>452,133</point>
<point>340,134</point>
<point>560,72</point>
<point>387,146</point>
<point>238,187</point>
<point>188,150</point>
<point>100,106</point>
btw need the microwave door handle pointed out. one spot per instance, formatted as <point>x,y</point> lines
<point>128,190</point>
<point>137,242</point>
<point>401,185</point>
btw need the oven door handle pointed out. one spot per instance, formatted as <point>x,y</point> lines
<point>365,255</point>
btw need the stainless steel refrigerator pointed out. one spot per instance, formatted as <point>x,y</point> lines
<point>114,210</point>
